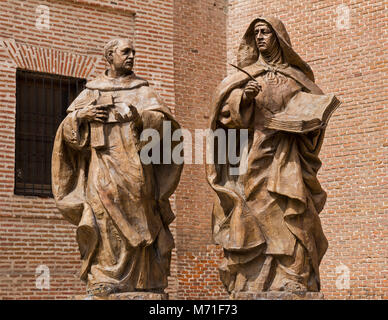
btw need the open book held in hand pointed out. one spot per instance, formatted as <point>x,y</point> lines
<point>304,112</point>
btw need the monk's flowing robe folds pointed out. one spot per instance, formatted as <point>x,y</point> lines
<point>266,219</point>
<point>120,205</point>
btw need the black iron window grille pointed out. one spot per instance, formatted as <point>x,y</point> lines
<point>41,103</point>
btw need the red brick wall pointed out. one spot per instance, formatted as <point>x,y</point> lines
<point>352,63</point>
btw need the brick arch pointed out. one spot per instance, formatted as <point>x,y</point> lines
<point>50,60</point>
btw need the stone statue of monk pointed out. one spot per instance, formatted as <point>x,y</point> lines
<point>120,206</point>
<point>266,219</point>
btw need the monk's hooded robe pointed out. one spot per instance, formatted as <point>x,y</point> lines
<point>266,219</point>
<point>120,205</point>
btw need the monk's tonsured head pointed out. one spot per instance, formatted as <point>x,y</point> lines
<point>120,54</point>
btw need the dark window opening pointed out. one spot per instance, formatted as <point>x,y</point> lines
<point>41,103</point>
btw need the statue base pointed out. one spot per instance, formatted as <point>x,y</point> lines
<point>125,296</point>
<point>277,295</point>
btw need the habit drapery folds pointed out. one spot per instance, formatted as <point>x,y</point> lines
<point>120,206</point>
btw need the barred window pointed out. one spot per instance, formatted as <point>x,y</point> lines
<point>41,103</point>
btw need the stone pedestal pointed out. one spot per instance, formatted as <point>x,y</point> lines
<point>125,296</point>
<point>277,295</point>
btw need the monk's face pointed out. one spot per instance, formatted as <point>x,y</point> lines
<point>123,57</point>
<point>263,36</point>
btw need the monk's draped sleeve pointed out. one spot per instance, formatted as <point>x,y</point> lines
<point>75,131</point>
<point>233,114</point>
<point>70,155</point>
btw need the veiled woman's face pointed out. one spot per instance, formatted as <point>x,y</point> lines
<point>263,36</point>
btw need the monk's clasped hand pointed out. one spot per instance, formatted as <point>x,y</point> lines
<point>131,115</point>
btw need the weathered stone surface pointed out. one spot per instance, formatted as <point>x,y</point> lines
<point>277,295</point>
<point>266,216</point>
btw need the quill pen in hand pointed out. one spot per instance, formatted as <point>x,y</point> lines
<point>242,70</point>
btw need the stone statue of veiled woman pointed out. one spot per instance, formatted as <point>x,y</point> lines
<point>267,219</point>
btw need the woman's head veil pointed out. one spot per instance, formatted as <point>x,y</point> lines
<point>248,52</point>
